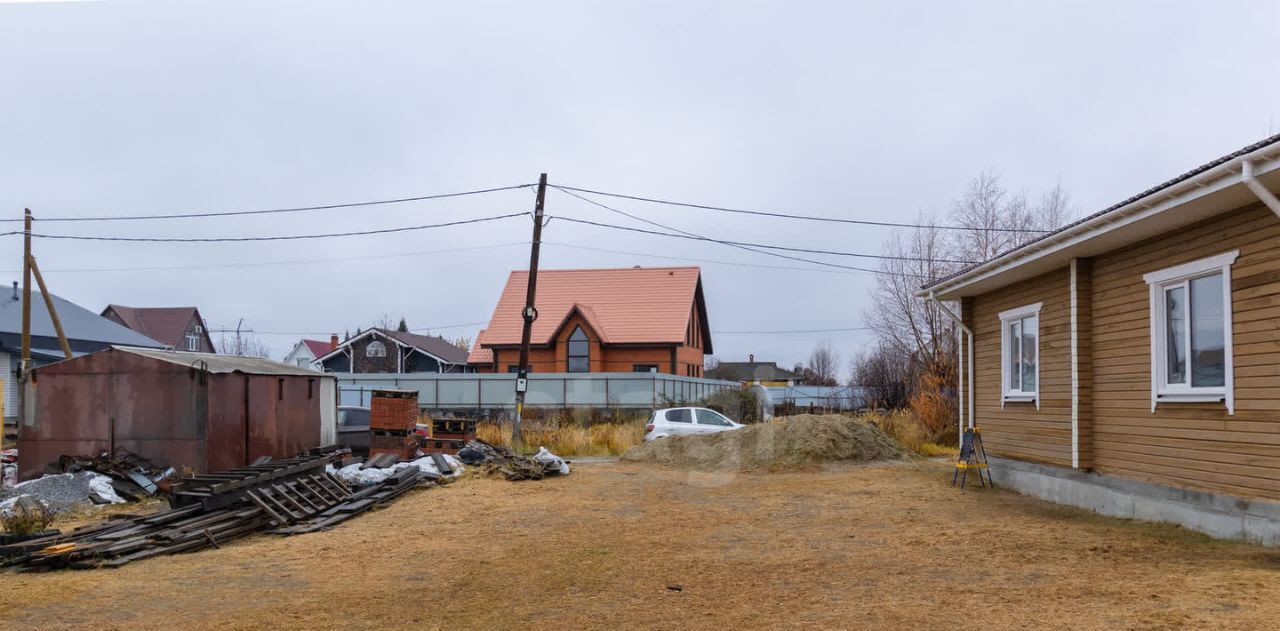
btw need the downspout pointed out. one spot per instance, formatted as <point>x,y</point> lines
<point>1246,176</point>
<point>961,351</point>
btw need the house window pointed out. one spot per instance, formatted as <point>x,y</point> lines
<point>375,349</point>
<point>1191,332</point>
<point>193,338</point>
<point>645,368</point>
<point>579,351</point>
<point>1020,354</point>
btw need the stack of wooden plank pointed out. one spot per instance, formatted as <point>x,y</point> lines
<point>214,508</point>
<point>393,419</point>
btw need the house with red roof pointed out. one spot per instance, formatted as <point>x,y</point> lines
<point>305,352</point>
<point>639,319</point>
<point>179,328</point>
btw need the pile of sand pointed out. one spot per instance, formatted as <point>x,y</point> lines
<point>790,442</point>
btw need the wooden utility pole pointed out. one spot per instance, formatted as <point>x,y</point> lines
<point>25,361</point>
<point>53,313</point>
<point>530,313</point>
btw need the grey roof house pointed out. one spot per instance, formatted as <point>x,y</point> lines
<point>385,351</point>
<point>86,332</point>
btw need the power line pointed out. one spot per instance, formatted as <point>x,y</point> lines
<point>427,329</point>
<point>765,213</point>
<point>168,268</point>
<point>758,245</point>
<point>268,211</point>
<point>279,237</point>
<point>855,328</point>
<point>733,245</point>
<point>711,261</point>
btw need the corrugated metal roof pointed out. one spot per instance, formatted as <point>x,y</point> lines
<point>649,305</point>
<point>224,363</point>
<point>77,322</point>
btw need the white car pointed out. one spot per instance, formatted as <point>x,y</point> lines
<point>686,421</point>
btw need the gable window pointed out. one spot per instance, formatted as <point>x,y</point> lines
<point>579,351</point>
<point>1020,354</point>
<point>375,349</point>
<point>193,338</point>
<point>1191,332</point>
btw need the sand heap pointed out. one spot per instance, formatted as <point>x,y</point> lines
<point>790,442</point>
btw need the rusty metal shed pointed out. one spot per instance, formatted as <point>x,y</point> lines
<point>200,411</point>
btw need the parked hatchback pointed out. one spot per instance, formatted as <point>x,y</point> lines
<point>686,421</point>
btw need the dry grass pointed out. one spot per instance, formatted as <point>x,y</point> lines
<point>568,439</point>
<point>905,427</point>
<point>864,547</point>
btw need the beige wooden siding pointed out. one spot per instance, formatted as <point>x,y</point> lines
<point>1194,445</point>
<point>1019,430</point>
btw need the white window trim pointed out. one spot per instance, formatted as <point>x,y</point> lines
<point>1156,282</point>
<point>1007,395</point>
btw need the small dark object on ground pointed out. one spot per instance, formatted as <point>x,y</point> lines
<point>675,587</point>
<point>504,461</point>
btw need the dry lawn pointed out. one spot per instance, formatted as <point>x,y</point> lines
<point>875,547</point>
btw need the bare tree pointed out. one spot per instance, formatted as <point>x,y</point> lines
<point>242,345</point>
<point>463,342</point>
<point>882,379</point>
<point>823,365</point>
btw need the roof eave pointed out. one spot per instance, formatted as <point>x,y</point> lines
<point>1218,180</point>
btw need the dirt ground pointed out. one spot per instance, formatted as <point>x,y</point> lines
<point>884,547</point>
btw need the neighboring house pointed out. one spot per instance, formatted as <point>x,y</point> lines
<point>1130,362</point>
<point>752,371</point>
<point>306,352</point>
<point>601,320</point>
<point>86,332</point>
<point>385,351</point>
<point>179,328</point>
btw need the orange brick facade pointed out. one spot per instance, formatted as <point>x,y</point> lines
<point>684,359</point>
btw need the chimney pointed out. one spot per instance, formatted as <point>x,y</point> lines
<point>751,358</point>
<point>333,341</point>
<point>15,290</point>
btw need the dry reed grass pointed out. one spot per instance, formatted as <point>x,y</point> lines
<point>567,439</point>
<point>907,428</point>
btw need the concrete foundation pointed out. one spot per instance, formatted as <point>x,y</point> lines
<point>1221,516</point>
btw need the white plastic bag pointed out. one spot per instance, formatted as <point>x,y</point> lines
<point>547,458</point>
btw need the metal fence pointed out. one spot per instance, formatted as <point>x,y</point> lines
<point>546,390</point>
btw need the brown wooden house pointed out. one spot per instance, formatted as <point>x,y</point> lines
<point>651,319</point>
<point>179,328</point>
<point>1130,362</point>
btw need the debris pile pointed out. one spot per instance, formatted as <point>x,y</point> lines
<point>290,496</point>
<point>64,491</point>
<point>791,442</point>
<point>132,476</point>
<point>499,460</point>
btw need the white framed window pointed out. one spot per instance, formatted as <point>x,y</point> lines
<point>375,349</point>
<point>1020,354</point>
<point>193,338</point>
<point>1191,332</point>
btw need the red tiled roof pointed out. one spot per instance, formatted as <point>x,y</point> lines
<point>626,306</point>
<point>167,325</point>
<point>318,348</point>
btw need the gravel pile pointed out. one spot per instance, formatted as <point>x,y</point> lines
<point>61,492</point>
<point>786,443</point>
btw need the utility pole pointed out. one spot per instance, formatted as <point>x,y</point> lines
<point>530,313</point>
<point>24,362</point>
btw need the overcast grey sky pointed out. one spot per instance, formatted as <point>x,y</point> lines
<point>851,110</point>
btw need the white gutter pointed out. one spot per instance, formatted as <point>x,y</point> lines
<point>960,359</point>
<point>1246,176</point>
<point>1154,203</point>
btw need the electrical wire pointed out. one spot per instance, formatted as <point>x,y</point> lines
<point>765,213</point>
<point>758,245</point>
<point>710,261</point>
<point>269,211</point>
<point>424,329</point>
<point>269,263</point>
<point>855,328</point>
<point>733,245</point>
<point>291,237</point>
